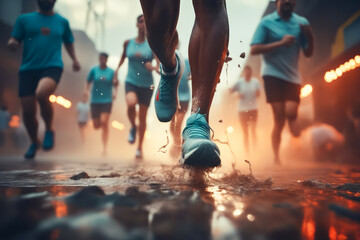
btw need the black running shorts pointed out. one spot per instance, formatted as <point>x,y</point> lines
<point>143,94</point>
<point>98,108</point>
<point>29,79</point>
<point>279,90</point>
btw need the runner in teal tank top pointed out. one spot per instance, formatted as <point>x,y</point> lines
<point>139,82</point>
<point>103,84</point>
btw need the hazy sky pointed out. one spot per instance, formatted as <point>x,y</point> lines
<point>244,15</point>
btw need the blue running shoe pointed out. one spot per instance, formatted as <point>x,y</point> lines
<point>48,142</point>
<point>166,100</point>
<point>31,152</point>
<point>198,150</point>
<point>132,135</point>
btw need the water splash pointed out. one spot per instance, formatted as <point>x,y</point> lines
<point>163,149</point>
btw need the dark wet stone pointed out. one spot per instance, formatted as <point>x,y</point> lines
<point>132,190</point>
<point>183,219</point>
<point>155,185</point>
<point>345,212</point>
<point>242,55</point>
<point>315,183</point>
<point>134,193</point>
<point>352,187</point>
<point>93,226</point>
<point>131,217</point>
<point>80,176</point>
<point>23,213</point>
<point>125,201</point>
<point>349,196</point>
<point>111,175</point>
<point>88,197</point>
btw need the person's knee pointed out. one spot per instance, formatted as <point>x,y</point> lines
<point>105,124</point>
<point>41,96</point>
<point>291,115</point>
<point>131,105</point>
<point>96,124</point>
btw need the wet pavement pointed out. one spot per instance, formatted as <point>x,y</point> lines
<point>41,200</point>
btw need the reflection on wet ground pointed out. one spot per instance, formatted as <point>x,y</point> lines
<point>41,201</point>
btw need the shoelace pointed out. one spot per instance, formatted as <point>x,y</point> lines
<point>167,90</point>
<point>197,128</point>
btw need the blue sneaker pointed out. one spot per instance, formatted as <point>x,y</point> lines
<point>132,135</point>
<point>31,152</point>
<point>198,149</point>
<point>48,142</point>
<point>166,100</point>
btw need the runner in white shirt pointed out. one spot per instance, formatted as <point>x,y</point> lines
<point>248,90</point>
<point>83,110</point>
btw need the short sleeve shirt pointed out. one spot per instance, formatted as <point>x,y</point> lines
<point>248,90</point>
<point>83,110</point>
<point>42,37</point>
<point>102,84</point>
<point>138,55</point>
<point>283,61</point>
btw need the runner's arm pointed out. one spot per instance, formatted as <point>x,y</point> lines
<point>116,85</point>
<point>71,51</point>
<point>309,36</point>
<point>287,40</point>
<point>123,56</point>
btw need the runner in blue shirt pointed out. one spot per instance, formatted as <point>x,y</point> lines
<point>42,34</point>
<point>279,37</point>
<point>103,92</point>
<point>139,82</point>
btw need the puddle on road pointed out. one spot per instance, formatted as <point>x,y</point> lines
<point>170,202</point>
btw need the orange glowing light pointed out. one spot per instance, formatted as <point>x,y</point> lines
<point>357,59</point>
<point>221,208</point>
<point>118,125</point>
<point>332,233</point>
<point>328,77</point>
<point>352,64</point>
<point>250,217</point>
<point>308,225</point>
<point>230,129</point>
<point>347,66</point>
<point>52,98</point>
<point>60,100</point>
<point>333,74</point>
<point>338,72</point>
<point>61,209</point>
<point>237,212</point>
<point>15,121</point>
<point>306,91</point>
